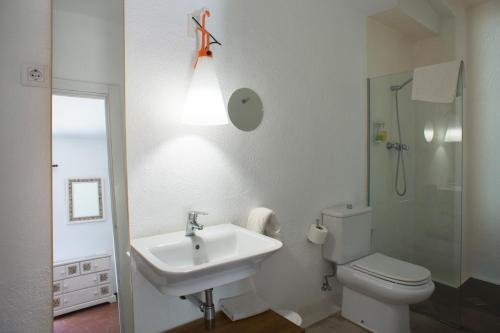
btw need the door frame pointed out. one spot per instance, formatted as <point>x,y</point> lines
<point>117,164</point>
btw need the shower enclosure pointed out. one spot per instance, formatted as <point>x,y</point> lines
<point>415,183</point>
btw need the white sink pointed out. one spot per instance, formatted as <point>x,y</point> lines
<point>178,265</point>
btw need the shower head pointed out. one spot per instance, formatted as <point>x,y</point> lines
<point>397,88</point>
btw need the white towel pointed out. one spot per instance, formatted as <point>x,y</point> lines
<point>243,306</point>
<point>263,220</point>
<point>436,83</point>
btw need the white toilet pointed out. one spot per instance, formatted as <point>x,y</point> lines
<point>376,289</point>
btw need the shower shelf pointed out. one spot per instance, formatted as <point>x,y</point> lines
<point>380,133</point>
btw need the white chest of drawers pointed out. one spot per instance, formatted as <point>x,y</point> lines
<point>81,283</point>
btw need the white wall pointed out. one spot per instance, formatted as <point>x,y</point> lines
<point>388,50</point>
<point>438,49</point>
<point>87,43</point>
<point>422,12</point>
<point>25,173</point>
<point>309,152</point>
<point>482,138</point>
<point>80,158</point>
<point>392,51</point>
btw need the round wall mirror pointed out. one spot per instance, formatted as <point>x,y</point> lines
<point>245,109</point>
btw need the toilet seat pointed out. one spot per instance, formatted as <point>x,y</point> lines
<point>378,297</point>
<point>392,270</point>
<point>391,282</point>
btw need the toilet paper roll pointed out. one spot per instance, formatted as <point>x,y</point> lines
<point>317,234</point>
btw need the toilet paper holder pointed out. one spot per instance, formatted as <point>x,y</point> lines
<point>317,233</point>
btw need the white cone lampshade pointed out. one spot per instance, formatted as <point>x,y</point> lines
<point>204,103</point>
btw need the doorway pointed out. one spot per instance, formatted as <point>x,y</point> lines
<point>84,282</point>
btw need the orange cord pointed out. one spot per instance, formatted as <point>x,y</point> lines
<point>205,39</point>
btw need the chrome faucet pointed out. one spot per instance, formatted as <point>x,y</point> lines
<point>192,223</point>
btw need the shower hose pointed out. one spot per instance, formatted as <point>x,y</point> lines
<point>400,165</point>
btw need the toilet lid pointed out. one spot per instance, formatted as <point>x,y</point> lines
<point>392,269</point>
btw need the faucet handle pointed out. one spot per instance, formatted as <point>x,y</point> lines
<point>196,213</point>
<point>192,222</point>
<point>193,215</point>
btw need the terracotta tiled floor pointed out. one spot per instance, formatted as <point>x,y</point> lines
<point>98,319</point>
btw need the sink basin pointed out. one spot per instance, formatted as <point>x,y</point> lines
<point>178,265</point>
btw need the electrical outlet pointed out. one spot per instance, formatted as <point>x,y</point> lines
<point>34,75</point>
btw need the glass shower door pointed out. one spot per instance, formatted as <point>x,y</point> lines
<point>415,186</point>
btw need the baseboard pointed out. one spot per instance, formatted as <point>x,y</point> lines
<point>485,279</point>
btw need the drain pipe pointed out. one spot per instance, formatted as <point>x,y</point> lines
<point>209,310</point>
<point>206,307</point>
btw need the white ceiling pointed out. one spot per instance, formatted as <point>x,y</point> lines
<point>78,116</point>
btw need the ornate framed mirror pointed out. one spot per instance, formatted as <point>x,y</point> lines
<point>85,200</point>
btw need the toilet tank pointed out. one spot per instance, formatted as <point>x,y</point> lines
<point>349,233</point>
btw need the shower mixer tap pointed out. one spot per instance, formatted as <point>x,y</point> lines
<point>397,146</point>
